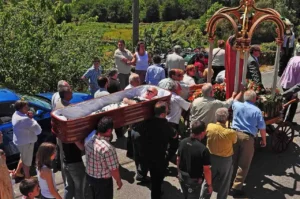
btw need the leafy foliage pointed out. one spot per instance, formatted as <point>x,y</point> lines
<point>36,52</point>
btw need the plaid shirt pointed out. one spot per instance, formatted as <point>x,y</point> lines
<point>101,157</point>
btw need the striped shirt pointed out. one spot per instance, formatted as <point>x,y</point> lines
<point>92,75</point>
<point>101,157</point>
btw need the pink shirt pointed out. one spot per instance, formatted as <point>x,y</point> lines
<point>291,74</point>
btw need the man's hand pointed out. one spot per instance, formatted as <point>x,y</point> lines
<point>30,114</point>
<point>210,189</point>
<point>263,143</point>
<point>234,94</point>
<point>119,184</point>
<point>124,60</point>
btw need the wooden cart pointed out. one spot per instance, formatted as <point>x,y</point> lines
<point>283,134</point>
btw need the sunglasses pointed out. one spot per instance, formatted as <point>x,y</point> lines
<point>179,75</point>
<point>150,91</point>
<point>2,154</point>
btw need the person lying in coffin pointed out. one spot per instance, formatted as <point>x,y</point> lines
<point>150,93</point>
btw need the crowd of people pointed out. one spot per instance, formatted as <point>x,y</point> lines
<point>214,157</point>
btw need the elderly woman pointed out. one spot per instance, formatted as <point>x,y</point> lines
<point>141,60</point>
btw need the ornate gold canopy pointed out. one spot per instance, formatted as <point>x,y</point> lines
<point>244,19</point>
<point>246,16</point>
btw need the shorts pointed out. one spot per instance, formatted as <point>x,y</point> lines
<point>26,153</point>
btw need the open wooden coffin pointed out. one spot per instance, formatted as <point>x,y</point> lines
<point>75,122</point>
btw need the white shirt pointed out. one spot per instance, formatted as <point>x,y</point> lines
<point>218,57</point>
<point>55,98</point>
<point>175,61</point>
<point>100,93</point>
<point>220,77</point>
<point>129,86</point>
<point>25,129</point>
<point>44,186</point>
<point>176,105</point>
<point>188,80</point>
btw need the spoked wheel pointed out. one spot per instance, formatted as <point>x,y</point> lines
<point>282,137</point>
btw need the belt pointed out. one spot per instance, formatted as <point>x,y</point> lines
<point>251,135</point>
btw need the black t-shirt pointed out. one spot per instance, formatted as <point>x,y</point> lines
<point>113,85</point>
<point>71,153</point>
<point>193,156</point>
<point>155,136</point>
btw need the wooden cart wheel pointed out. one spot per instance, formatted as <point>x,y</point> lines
<point>282,137</point>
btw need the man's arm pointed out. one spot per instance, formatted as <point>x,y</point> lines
<point>291,91</point>
<point>263,134</point>
<point>206,169</point>
<point>118,55</point>
<point>111,159</point>
<point>178,162</point>
<point>116,175</point>
<point>80,145</point>
<point>261,125</point>
<point>33,126</point>
<point>85,77</point>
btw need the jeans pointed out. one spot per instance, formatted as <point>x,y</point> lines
<point>100,188</point>
<point>75,180</point>
<point>141,166</point>
<point>190,187</point>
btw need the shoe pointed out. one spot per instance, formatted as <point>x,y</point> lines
<point>143,179</point>
<point>235,192</point>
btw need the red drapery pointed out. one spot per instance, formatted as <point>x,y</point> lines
<point>230,60</point>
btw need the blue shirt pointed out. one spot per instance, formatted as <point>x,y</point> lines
<point>154,74</point>
<point>247,117</point>
<point>92,75</point>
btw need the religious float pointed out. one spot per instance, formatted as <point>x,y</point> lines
<point>74,122</point>
<point>244,20</point>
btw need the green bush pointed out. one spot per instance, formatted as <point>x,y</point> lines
<point>36,52</point>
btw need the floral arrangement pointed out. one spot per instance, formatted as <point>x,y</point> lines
<point>270,106</point>
<point>218,90</point>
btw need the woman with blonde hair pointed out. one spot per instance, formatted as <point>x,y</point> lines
<point>44,157</point>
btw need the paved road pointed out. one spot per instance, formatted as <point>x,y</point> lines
<point>272,176</point>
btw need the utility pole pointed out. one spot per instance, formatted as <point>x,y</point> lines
<point>135,22</point>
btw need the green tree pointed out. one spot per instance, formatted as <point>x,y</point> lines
<point>152,12</point>
<point>171,10</point>
<point>36,52</point>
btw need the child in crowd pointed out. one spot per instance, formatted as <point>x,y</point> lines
<point>29,188</point>
<point>44,157</point>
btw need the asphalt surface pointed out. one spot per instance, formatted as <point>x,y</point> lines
<point>271,175</point>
